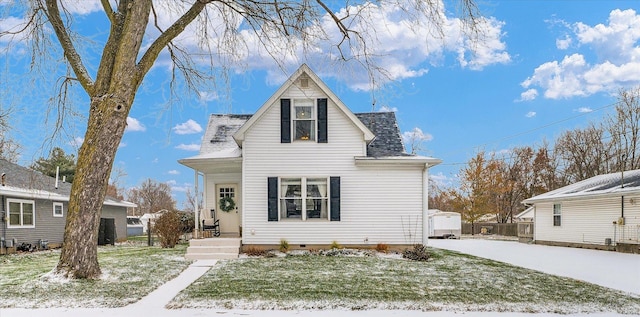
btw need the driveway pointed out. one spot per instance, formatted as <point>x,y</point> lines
<point>615,270</point>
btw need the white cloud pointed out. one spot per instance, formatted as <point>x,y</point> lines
<point>616,63</point>
<point>155,160</point>
<point>173,172</point>
<point>388,109</point>
<point>563,44</point>
<point>188,147</point>
<point>175,187</point>
<point>82,7</point>
<point>404,45</point>
<point>530,94</point>
<point>76,142</point>
<point>584,110</point>
<point>206,96</point>
<point>134,125</point>
<point>530,114</point>
<point>416,135</point>
<point>189,127</point>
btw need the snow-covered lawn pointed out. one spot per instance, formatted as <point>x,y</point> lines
<point>129,273</point>
<point>451,282</point>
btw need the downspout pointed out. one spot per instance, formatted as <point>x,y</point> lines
<point>425,205</point>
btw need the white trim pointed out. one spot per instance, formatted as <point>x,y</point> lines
<point>304,69</point>
<point>46,195</point>
<point>61,209</point>
<point>21,202</point>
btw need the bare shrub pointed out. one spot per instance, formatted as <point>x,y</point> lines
<point>418,253</point>
<point>168,227</point>
<point>255,251</point>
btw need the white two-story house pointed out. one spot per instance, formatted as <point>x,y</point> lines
<point>304,168</point>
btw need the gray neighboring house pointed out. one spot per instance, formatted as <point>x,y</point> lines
<point>34,210</point>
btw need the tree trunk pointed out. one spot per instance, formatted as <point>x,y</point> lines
<point>107,121</point>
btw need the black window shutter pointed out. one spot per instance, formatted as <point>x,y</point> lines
<point>322,120</point>
<point>334,183</point>
<point>285,120</point>
<point>272,198</point>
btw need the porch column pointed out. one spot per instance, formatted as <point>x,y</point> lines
<point>196,208</point>
<point>425,205</point>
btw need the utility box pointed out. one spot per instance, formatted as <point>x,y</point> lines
<point>621,221</point>
<point>107,231</point>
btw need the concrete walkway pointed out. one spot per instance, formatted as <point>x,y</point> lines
<point>615,270</point>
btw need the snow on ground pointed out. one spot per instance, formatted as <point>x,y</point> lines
<point>615,270</point>
<point>610,269</point>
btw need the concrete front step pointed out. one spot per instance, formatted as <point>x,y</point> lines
<point>215,242</point>
<point>213,249</point>
<point>210,256</point>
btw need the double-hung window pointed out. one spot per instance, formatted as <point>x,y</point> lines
<point>304,120</point>
<point>57,209</point>
<point>21,213</point>
<point>557,215</point>
<point>304,198</point>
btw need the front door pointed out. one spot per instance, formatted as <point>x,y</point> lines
<point>228,208</point>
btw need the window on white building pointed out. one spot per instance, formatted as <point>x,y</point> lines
<point>557,215</point>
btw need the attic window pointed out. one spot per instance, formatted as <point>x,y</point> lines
<point>304,82</point>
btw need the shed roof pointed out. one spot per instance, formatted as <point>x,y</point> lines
<point>613,184</point>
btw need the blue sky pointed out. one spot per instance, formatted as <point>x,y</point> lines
<point>543,67</point>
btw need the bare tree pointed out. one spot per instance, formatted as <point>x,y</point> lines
<point>415,139</point>
<point>584,153</point>
<point>151,196</point>
<point>139,33</point>
<point>192,200</point>
<point>624,128</point>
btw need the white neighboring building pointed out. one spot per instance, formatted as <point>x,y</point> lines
<point>444,224</point>
<point>601,212</point>
<point>306,169</point>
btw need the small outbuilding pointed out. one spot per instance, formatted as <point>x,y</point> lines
<point>444,224</point>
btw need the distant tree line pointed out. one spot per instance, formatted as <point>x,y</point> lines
<point>496,184</point>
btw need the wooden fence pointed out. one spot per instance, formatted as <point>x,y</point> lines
<point>502,229</point>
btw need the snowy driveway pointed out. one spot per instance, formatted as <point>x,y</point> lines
<point>615,270</point>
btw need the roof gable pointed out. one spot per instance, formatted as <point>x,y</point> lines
<point>303,69</point>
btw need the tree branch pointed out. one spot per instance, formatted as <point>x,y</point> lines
<point>70,53</point>
<point>108,10</point>
<point>168,35</point>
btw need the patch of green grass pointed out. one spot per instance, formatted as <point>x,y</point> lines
<point>449,281</point>
<point>128,274</point>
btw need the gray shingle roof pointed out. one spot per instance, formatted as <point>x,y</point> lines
<point>388,141</point>
<point>25,178</point>
<point>22,177</point>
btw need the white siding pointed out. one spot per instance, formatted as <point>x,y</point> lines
<point>589,221</point>
<point>378,204</point>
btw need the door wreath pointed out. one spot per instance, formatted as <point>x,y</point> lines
<point>227,204</point>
